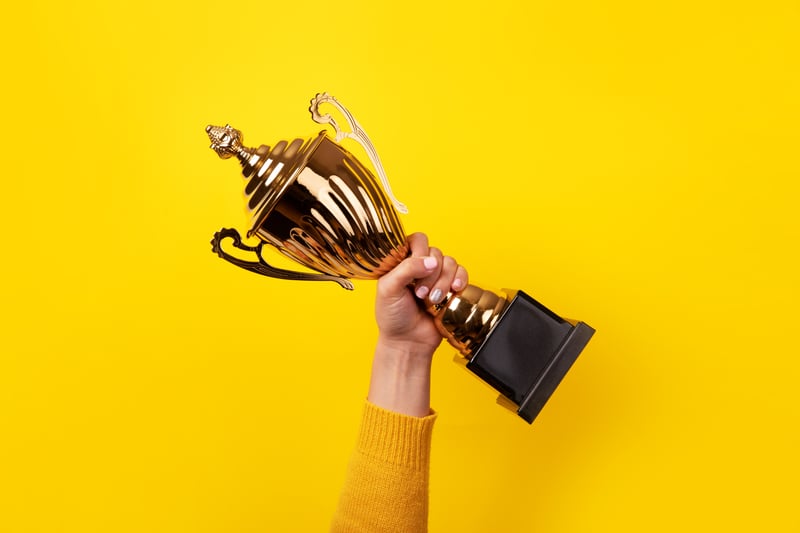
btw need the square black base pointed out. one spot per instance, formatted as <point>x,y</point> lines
<point>527,354</point>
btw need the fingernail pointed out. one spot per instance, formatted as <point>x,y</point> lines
<point>429,262</point>
<point>436,296</point>
<point>422,291</point>
<point>458,284</point>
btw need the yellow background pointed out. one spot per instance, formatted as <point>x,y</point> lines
<point>629,164</point>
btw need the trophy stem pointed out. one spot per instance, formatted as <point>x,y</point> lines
<point>467,317</point>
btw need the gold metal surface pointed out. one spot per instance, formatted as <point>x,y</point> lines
<point>466,317</point>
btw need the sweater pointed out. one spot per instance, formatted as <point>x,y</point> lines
<point>386,485</point>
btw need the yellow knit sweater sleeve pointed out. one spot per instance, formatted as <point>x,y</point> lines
<point>386,487</point>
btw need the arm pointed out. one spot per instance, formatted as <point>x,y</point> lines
<point>386,488</point>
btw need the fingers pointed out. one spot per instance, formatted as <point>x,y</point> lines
<point>424,285</point>
<point>396,282</point>
<point>461,279</point>
<point>447,276</point>
<point>432,274</point>
<point>444,282</point>
<point>451,278</point>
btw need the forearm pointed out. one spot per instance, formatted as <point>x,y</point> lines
<point>401,377</point>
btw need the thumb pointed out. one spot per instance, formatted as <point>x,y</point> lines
<point>395,283</point>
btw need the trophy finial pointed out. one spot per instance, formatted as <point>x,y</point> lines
<point>226,141</point>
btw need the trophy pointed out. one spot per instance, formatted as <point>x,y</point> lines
<point>317,204</point>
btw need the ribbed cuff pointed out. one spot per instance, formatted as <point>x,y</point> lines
<point>396,438</point>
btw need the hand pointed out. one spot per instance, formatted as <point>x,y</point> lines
<point>407,335</point>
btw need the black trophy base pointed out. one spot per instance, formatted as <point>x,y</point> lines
<point>527,354</point>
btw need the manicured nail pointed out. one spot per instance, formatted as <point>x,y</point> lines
<point>436,296</point>
<point>429,262</point>
<point>421,292</point>
<point>458,284</point>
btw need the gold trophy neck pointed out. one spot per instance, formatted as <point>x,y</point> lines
<point>466,318</point>
<point>287,180</point>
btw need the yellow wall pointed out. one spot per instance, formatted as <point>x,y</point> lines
<point>628,164</point>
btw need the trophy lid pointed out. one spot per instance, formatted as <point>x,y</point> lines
<point>268,171</point>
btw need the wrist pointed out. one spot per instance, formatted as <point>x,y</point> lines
<point>402,349</point>
<point>401,377</point>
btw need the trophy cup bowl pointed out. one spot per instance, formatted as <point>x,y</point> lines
<point>317,204</point>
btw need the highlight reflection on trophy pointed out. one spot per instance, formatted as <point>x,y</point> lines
<point>320,206</point>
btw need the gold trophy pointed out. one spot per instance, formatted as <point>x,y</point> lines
<point>320,206</point>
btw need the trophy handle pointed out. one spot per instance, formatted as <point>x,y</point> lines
<point>357,134</point>
<point>261,266</point>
